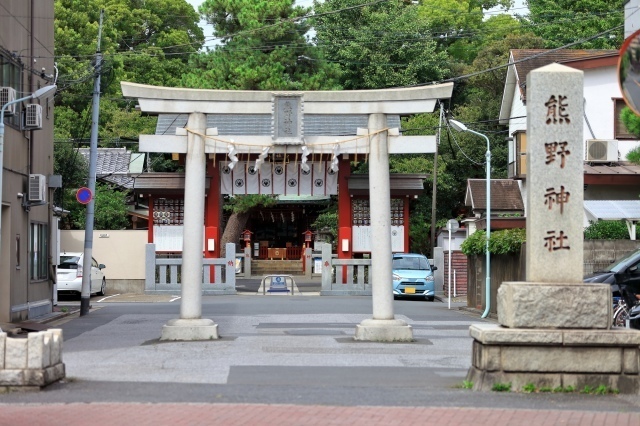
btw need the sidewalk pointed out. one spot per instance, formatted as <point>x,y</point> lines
<point>295,415</point>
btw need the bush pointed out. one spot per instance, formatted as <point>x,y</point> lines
<point>606,230</point>
<point>500,242</point>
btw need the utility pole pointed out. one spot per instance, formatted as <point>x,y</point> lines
<point>434,186</point>
<point>93,154</point>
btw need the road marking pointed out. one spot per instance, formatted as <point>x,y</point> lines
<point>175,298</point>
<point>108,297</point>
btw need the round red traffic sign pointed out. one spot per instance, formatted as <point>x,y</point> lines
<point>84,195</point>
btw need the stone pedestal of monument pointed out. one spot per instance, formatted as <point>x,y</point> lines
<point>559,340</point>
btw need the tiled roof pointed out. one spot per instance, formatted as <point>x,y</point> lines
<point>505,195</point>
<point>112,165</point>
<point>562,56</point>
<point>616,169</point>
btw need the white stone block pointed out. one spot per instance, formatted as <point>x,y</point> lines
<point>35,350</point>
<point>15,354</point>
<point>11,378</point>
<point>56,346</point>
<point>554,305</point>
<point>3,341</point>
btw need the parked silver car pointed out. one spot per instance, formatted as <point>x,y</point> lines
<point>70,271</point>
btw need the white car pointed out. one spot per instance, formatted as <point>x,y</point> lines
<point>69,275</point>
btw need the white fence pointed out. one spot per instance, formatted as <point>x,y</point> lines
<point>163,275</point>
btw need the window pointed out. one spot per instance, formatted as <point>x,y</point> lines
<point>38,249</point>
<point>620,131</point>
<point>11,76</point>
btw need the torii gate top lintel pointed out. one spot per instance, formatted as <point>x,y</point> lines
<point>287,111</point>
<point>405,100</point>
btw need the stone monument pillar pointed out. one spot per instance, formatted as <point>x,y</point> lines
<point>190,325</point>
<point>383,327</point>
<point>555,330</point>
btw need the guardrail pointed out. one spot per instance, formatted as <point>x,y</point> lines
<point>163,275</point>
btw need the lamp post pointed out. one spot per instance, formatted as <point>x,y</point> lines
<point>43,91</point>
<point>462,128</point>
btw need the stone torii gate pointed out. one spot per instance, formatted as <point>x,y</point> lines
<point>287,111</point>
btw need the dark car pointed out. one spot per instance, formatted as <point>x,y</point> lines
<point>625,271</point>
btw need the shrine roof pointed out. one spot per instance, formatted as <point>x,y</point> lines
<point>400,184</point>
<point>113,165</point>
<point>161,183</point>
<point>505,195</point>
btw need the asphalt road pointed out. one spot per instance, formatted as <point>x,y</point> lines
<point>280,349</point>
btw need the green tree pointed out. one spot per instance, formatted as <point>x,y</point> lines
<point>263,48</point>
<point>73,168</point>
<point>110,209</point>
<point>384,44</point>
<point>144,41</point>
<point>632,122</point>
<point>560,22</point>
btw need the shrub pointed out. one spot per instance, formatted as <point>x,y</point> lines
<point>500,242</point>
<point>606,230</point>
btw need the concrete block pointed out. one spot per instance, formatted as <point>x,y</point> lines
<point>15,353</point>
<point>631,360</point>
<point>55,356</point>
<point>554,305</point>
<point>3,341</point>
<point>34,377</point>
<point>373,330</point>
<point>614,337</point>
<point>11,377</point>
<point>493,334</point>
<point>54,373</point>
<point>190,330</point>
<point>561,359</point>
<point>35,350</point>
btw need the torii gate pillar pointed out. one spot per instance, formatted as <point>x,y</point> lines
<point>190,325</point>
<point>383,326</point>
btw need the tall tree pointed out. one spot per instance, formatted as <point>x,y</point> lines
<point>378,45</point>
<point>263,47</point>
<point>560,22</point>
<point>144,41</point>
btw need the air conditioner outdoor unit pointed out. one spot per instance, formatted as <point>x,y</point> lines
<point>602,150</point>
<point>37,188</point>
<point>33,117</point>
<point>8,94</point>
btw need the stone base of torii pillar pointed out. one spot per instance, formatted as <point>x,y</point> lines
<point>190,329</point>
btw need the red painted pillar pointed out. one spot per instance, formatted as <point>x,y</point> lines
<point>405,216</point>
<point>344,213</point>
<point>150,221</point>
<point>212,215</point>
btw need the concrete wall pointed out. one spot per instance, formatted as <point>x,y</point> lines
<point>122,252</point>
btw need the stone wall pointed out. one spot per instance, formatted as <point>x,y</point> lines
<point>31,361</point>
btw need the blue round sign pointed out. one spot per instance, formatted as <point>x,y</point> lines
<point>84,195</point>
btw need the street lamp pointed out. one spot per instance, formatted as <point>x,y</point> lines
<point>43,91</point>
<point>462,128</point>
